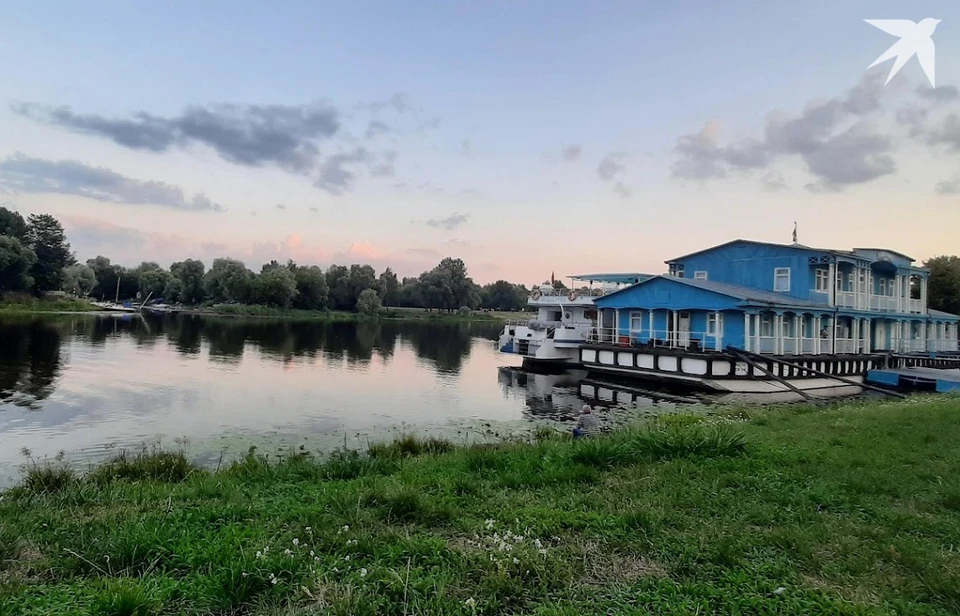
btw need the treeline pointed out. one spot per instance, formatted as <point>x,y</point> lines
<point>35,257</point>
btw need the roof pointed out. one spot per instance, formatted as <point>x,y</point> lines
<point>745,294</point>
<point>622,278</point>
<point>941,314</point>
<point>893,252</point>
<point>795,246</point>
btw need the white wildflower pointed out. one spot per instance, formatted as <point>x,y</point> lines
<point>363,572</point>
<point>516,560</point>
<point>311,553</point>
<point>471,603</point>
<point>489,524</point>
<point>538,543</point>
<point>780,590</point>
<point>287,553</point>
<point>273,581</point>
<point>259,554</point>
<point>296,542</point>
<point>309,529</point>
<point>347,557</point>
<point>344,529</point>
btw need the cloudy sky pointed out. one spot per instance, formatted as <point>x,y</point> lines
<point>524,137</point>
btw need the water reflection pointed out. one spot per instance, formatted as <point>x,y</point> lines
<point>84,384</point>
<point>29,362</point>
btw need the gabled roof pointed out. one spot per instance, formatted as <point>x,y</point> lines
<point>795,246</point>
<point>893,252</point>
<point>747,295</point>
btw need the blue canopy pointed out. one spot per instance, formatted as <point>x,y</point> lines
<point>628,278</point>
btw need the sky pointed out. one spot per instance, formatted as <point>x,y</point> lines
<point>524,137</point>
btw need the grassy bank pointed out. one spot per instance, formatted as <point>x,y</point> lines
<point>850,510</point>
<point>27,304</point>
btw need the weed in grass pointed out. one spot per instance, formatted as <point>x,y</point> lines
<point>155,465</point>
<point>46,476</point>
<point>410,445</point>
<point>122,597</point>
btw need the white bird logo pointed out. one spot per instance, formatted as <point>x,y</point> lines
<point>915,38</point>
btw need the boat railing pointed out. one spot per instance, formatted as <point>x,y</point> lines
<point>688,340</point>
<point>590,292</point>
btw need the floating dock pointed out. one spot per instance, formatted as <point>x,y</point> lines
<point>922,379</point>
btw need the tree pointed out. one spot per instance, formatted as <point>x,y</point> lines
<point>79,279</point>
<point>16,261</point>
<point>312,289</point>
<point>388,288</point>
<point>190,273</point>
<point>275,287</point>
<point>503,295</point>
<point>368,303</point>
<point>174,289</point>
<point>47,240</point>
<point>943,286</point>
<point>154,281</point>
<point>228,280</point>
<point>410,294</point>
<point>13,224</point>
<point>447,286</point>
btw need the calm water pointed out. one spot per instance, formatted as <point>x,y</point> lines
<point>87,384</point>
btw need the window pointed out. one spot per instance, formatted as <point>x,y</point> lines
<point>714,324</point>
<point>700,275</point>
<point>883,286</point>
<point>636,321</point>
<point>781,279</point>
<point>822,280</point>
<point>766,326</point>
<point>839,281</point>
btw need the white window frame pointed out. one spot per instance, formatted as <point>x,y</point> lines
<point>777,274</point>
<point>636,315</point>
<point>700,275</point>
<point>822,280</point>
<point>766,326</point>
<point>883,286</point>
<point>715,319</point>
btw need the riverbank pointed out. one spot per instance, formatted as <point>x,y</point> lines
<point>851,509</point>
<point>27,305</point>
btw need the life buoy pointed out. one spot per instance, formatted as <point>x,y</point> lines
<point>535,295</point>
<point>572,295</point>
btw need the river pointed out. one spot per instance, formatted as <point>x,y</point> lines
<point>89,385</point>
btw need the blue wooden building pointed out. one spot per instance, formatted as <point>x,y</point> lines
<point>785,299</point>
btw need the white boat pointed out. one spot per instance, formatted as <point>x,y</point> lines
<point>113,307</point>
<point>565,319</point>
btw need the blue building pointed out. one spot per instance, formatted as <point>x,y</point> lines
<point>785,299</point>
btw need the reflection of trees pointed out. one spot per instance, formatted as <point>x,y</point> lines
<point>29,361</point>
<point>184,332</point>
<point>445,344</point>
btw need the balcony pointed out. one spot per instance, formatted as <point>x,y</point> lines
<point>877,303</point>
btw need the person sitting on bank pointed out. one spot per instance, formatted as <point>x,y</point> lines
<point>587,424</point>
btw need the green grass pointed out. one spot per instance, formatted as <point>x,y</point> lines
<point>255,310</point>
<point>26,303</point>
<point>849,509</point>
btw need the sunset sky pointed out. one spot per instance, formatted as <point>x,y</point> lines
<point>524,137</point>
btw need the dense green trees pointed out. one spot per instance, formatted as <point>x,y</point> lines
<point>943,292</point>
<point>503,295</point>
<point>16,261</point>
<point>35,256</point>
<point>78,279</point>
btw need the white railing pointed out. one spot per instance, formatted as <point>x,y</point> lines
<point>826,346</point>
<point>919,345</point>
<point>846,299</point>
<point>883,303</point>
<point>877,303</point>
<point>808,346</point>
<point>846,345</point>
<point>657,338</point>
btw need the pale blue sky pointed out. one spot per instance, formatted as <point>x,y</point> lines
<point>492,95</point>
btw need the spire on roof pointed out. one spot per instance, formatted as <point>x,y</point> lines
<point>794,231</point>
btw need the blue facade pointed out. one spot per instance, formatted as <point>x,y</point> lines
<point>785,299</point>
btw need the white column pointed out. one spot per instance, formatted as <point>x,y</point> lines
<point>756,333</point>
<point>778,333</point>
<point>816,334</point>
<point>923,335</point>
<point>797,334</point>
<point>616,325</point>
<point>832,284</point>
<point>868,338</point>
<point>650,315</point>
<point>855,333</point>
<point>746,332</point>
<point>923,295</point>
